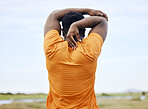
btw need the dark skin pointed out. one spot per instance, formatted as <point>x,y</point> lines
<point>97,21</point>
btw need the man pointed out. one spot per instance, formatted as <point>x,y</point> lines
<point>71,62</point>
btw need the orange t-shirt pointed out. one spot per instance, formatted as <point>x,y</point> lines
<point>71,73</point>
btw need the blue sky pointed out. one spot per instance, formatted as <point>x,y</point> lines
<point>122,65</point>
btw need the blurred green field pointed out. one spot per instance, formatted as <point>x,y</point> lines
<point>134,103</point>
<point>6,96</point>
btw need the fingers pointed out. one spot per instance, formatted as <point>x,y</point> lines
<point>78,37</point>
<point>73,32</point>
<point>72,43</point>
<point>106,16</point>
<point>102,14</point>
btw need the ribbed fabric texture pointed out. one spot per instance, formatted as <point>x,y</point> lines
<point>71,73</point>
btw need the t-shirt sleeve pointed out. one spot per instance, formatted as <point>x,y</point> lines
<point>51,38</point>
<point>94,42</point>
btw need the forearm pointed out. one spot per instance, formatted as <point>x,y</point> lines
<point>88,22</point>
<point>58,14</point>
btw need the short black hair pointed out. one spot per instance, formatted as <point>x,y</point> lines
<point>69,18</point>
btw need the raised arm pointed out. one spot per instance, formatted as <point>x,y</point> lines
<point>52,22</point>
<point>55,17</point>
<point>98,25</point>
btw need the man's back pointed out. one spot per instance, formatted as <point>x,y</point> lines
<point>71,63</point>
<point>71,72</point>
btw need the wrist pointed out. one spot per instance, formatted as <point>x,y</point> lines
<point>73,25</point>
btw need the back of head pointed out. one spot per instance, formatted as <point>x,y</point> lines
<point>69,18</point>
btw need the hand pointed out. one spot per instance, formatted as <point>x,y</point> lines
<point>73,31</point>
<point>94,12</point>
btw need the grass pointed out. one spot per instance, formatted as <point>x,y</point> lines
<point>134,103</point>
<point>20,105</point>
<point>123,104</point>
<point>22,96</point>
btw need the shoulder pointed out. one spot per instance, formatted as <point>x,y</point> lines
<point>93,37</point>
<point>51,33</point>
<point>52,37</point>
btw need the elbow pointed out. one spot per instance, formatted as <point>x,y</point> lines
<point>54,14</point>
<point>103,20</point>
<point>100,20</point>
